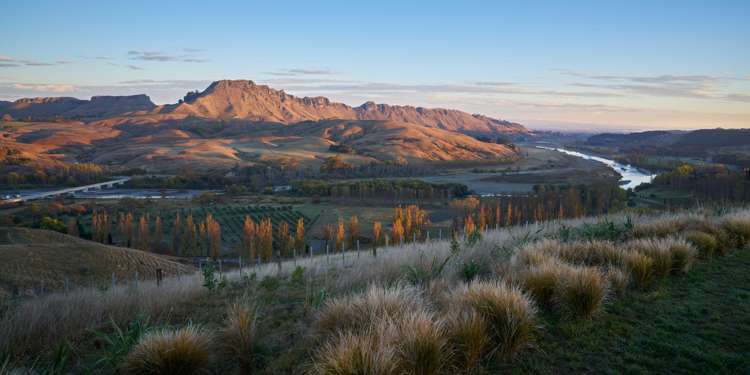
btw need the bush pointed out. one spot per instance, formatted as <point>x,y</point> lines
<point>366,352</point>
<point>509,313</point>
<point>640,268</point>
<point>705,243</point>
<point>422,345</point>
<point>618,280</point>
<point>581,291</point>
<point>537,253</point>
<point>592,253</point>
<point>358,311</point>
<point>167,352</point>
<point>656,249</point>
<point>683,254</point>
<point>541,281</point>
<point>240,334</point>
<point>469,338</point>
<point>738,230</point>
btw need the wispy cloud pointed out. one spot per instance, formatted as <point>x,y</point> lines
<point>300,72</point>
<point>133,67</point>
<point>665,85</point>
<point>12,62</point>
<point>161,56</point>
<point>45,87</point>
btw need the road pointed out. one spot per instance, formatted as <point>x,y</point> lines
<point>53,193</point>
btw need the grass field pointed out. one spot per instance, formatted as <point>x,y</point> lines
<point>698,323</point>
<point>37,261</point>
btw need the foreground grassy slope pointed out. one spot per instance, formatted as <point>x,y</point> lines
<point>694,323</point>
<point>35,260</point>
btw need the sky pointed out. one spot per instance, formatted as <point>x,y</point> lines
<point>566,65</point>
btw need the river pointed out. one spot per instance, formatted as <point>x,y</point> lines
<point>631,176</point>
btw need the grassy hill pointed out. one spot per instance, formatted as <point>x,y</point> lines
<point>36,261</point>
<point>609,294</point>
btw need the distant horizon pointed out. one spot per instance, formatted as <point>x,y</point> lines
<point>618,65</point>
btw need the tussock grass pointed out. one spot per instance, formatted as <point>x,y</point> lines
<point>581,291</point>
<point>356,312</point>
<point>469,338</point>
<point>618,280</point>
<point>639,267</point>
<point>706,243</point>
<point>541,281</point>
<point>737,227</point>
<point>683,254</point>
<point>592,253</point>
<point>537,253</point>
<point>370,351</point>
<point>655,249</point>
<point>240,335</point>
<point>509,313</point>
<point>167,352</point>
<point>422,344</point>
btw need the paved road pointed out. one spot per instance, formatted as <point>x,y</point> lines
<point>53,193</point>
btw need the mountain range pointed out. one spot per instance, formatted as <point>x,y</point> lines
<point>238,122</point>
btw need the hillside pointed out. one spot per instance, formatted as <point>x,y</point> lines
<point>237,99</point>
<point>37,261</point>
<point>698,143</point>
<point>40,109</point>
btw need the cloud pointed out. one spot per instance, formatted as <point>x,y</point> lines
<point>11,62</point>
<point>299,72</point>
<point>134,67</point>
<point>665,85</point>
<point>45,87</point>
<point>193,50</point>
<point>159,56</point>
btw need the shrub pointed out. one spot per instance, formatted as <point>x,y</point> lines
<point>181,351</point>
<point>581,291</point>
<point>509,313</point>
<point>358,311</point>
<point>658,251</point>
<point>683,254</point>
<point>540,281</point>
<point>640,268</point>
<point>367,352</point>
<point>592,253</point>
<point>705,243</point>
<point>738,230</point>
<point>537,253</point>
<point>422,346</point>
<point>469,338</point>
<point>240,334</point>
<point>617,279</point>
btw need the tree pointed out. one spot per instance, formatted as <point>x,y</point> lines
<point>333,164</point>
<point>265,235</point>
<point>469,226</point>
<point>126,228</point>
<point>328,234</point>
<point>143,233</point>
<point>340,235</point>
<point>299,235</point>
<point>376,234</point>
<point>177,234</point>
<point>189,237</point>
<point>285,240</point>
<point>157,238</point>
<point>397,231</point>
<point>353,230</point>
<point>73,227</point>
<point>213,229</point>
<point>249,234</point>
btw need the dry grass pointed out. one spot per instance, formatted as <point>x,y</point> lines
<point>35,324</point>
<point>170,352</point>
<point>683,254</point>
<point>618,280</point>
<point>469,338</point>
<point>592,253</point>
<point>657,250</point>
<point>357,312</point>
<point>706,243</point>
<point>422,344</point>
<point>368,352</point>
<point>640,268</point>
<point>509,313</point>
<point>737,227</point>
<point>581,291</point>
<point>541,281</point>
<point>239,336</point>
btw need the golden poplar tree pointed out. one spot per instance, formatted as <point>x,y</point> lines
<point>285,240</point>
<point>157,234</point>
<point>469,226</point>
<point>265,234</point>
<point>299,235</point>
<point>340,235</point>
<point>249,234</point>
<point>213,229</point>
<point>177,234</point>
<point>353,230</point>
<point>377,232</point>
<point>143,233</point>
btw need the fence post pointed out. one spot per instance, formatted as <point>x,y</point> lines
<point>239,260</point>
<point>428,236</point>
<point>294,256</point>
<point>386,240</point>
<point>135,278</point>
<point>440,234</point>
<point>221,270</point>
<point>114,280</point>
<point>328,256</point>
<point>67,285</point>
<point>357,249</point>
<point>159,275</point>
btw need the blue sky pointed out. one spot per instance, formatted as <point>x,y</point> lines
<point>549,64</point>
